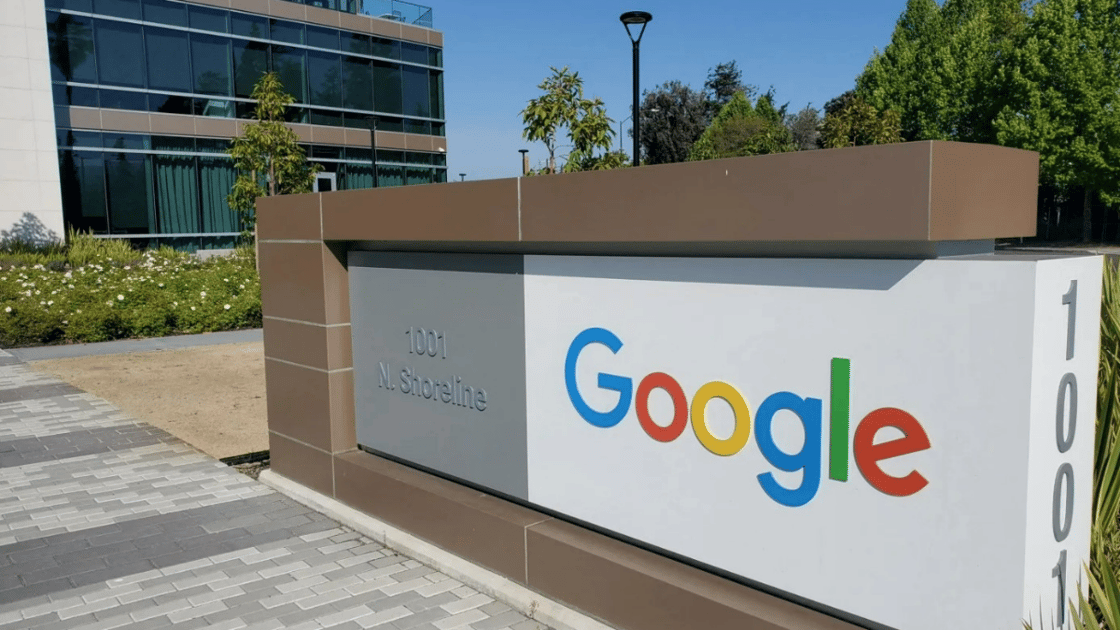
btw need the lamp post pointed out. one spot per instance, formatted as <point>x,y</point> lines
<point>372,120</point>
<point>631,18</point>
<point>524,161</point>
<point>462,177</point>
<point>652,111</point>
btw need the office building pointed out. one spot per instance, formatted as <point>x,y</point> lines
<point>118,112</point>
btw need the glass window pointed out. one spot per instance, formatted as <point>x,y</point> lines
<point>169,66</point>
<point>326,117</point>
<point>355,176</point>
<point>71,48</point>
<point>296,115</point>
<point>357,84</point>
<point>284,31</point>
<point>386,48</point>
<point>174,144</point>
<point>245,110</point>
<point>212,145</point>
<point>170,104</point>
<point>128,178</point>
<point>355,43</point>
<point>120,59</point>
<point>441,175</point>
<point>207,19</point>
<point>164,12</point>
<point>415,92</point>
<point>73,138</point>
<point>357,153</point>
<point>114,140</point>
<point>419,175</point>
<point>210,57</point>
<point>213,107</point>
<point>435,92</point>
<point>118,8</point>
<point>435,57</point>
<point>73,5</point>
<point>414,53</point>
<point>291,65</point>
<point>249,25</point>
<point>83,190</point>
<point>250,61</point>
<point>322,37</point>
<point>388,123</point>
<point>389,175</point>
<point>414,157</point>
<point>74,95</point>
<point>215,177</point>
<point>387,87</point>
<point>326,79</point>
<point>116,99</point>
<point>390,156</point>
<point>177,193</point>
<point>355,121</point>
<point>327,152</point>
<point>417,126</point>
<point>323,4</point>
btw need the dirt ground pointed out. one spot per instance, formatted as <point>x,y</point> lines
<point>209,396</point>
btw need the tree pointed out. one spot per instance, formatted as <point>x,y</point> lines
<point>940,71</point>
<point>804,128</point>
<point>673,116</point>
<point>1064,99</point>
<point>267,157</point>
<point>563,106</point>
<point>857,123</point>
<point>740,129</point>
<point>723,82</point>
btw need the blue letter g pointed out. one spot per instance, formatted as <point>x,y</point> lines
<point>612,382</point>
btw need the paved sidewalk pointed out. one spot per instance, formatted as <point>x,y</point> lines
<point>106,522</point>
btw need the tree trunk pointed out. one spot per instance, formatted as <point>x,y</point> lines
<point>1086,217</point>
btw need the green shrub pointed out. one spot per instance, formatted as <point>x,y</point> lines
<point>100,289</point>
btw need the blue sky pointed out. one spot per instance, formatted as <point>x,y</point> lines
<point>497,51</point>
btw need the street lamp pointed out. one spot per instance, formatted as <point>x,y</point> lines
<point>462,177</point>
<point>653,110</point>
<point>629,19</point>
<point>524,161</point>
<point>372,120</point>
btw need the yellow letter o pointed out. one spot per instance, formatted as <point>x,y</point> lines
<point>742,432</point>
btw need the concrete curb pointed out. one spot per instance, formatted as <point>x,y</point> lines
<point>527,602</point>
<point>123,346</point>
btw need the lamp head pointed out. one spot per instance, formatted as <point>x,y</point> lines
<point>633,18</point>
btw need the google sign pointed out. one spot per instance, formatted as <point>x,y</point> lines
<point>867,453</point>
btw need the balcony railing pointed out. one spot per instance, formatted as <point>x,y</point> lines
<point>397,10</point>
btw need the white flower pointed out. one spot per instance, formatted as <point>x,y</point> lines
<point>109,303</point>
<point>192,308</point>
<point>120,297</point>
<point>126,267</point>
<point>203,294</point>
<point>71,286</point>
<point>161,285</point>
<point>8,309</point>
<point>50,303</point>
<point>64,322</point>
<point>79,310</point>
<point>227,307</point>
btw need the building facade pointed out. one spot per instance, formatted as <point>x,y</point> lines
<point>146,95</point>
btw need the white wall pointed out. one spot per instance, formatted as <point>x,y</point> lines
<point>30,199</point>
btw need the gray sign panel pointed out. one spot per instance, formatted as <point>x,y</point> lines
<point>439,363</point>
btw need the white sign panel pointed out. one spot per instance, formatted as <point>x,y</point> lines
<point>909,442</point>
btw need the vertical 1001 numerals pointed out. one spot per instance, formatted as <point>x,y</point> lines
<point>1065,427</point>
<point>424,342</point>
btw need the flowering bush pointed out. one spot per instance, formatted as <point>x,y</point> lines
<point>113,296</point>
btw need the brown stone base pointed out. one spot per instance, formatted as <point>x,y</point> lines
<point>622,585</point>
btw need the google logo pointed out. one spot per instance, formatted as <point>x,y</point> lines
<point>867,453</point>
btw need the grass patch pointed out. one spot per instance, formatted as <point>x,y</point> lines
<point>102,289</point>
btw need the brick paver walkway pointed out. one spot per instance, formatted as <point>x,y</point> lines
<point>106,522</point>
